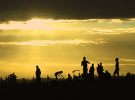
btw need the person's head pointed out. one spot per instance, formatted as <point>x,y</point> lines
<point>101,64</point>
<point>92,64</point>
<point>106,71</point>
<point>84,58</point>
<point>68,75</point>
<point>116,59</point>
<point>61,71</point>
<point>37,66</point>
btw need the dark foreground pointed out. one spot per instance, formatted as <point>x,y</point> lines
<point>81,90</point>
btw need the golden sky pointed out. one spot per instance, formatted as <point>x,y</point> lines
<point>57,45</point>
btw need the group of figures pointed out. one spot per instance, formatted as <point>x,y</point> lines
<point>90,76</point>
<point>10,79</point>
<point>101,75</point>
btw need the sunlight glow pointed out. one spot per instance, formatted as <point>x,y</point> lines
<point>50,24</point>
<point>33,24</point>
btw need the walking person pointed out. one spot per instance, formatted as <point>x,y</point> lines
<point>116,68</point>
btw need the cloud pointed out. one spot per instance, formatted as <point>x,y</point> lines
<point>128,60</point>
<point>50,42</point>
<point>107,31</point>
<point>116,21</point>
<point>23,10</point>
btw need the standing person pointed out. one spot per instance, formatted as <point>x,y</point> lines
<point>48,79</point>
<point>38,73</point>
<point>101,68</point>
<point>101,71</point>
<point>98,69</point>
<point>91,71</point>
<point>84,64</point>
<point>116,67</point>
<point>14,77</point>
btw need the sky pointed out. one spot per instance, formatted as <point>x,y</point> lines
<point>57,34</point>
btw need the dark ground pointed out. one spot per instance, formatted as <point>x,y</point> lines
<point>81,90</point>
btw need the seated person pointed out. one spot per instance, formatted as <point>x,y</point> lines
<point>69,77</point>
<point>107,75</point>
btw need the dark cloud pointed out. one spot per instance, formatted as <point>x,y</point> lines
<point>22,10</point>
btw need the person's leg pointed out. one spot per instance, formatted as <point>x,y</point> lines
<point>92,76</point>
<point>102,75</point>
<point>118,74</point>
<point>36,79</point>
<point>99,75</point>
<point>85,73</point>
<point>114,73</point>
<point>39,79</point>
<point>56,77</point>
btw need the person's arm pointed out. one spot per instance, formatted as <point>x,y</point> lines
<point>88,62</point>
<point>61,75</point>
<point>81,64</point>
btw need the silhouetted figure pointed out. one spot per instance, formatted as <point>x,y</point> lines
<point>79,75</point>
<point>48,79</point>
<point>128,75</point>
<point>58,74</point>
<point>69,78</point>
<point>14,77</point>
<point>100,71</point>
<point>122,76</point>
<point>1,79</point>
<point>76,77</point>
<point>116,67</point>
<point>38,73</point>
<point>84,64</point>
<point>91,72</point>
<point>9,78</point>
<point>107,75</point>
<point>33,79</point>
<point>6,79</point>
<point>101,68</point>
<point>23,80</point>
